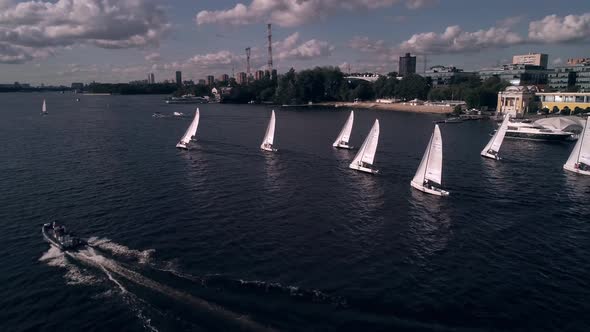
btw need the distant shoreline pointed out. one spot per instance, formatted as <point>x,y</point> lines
<point>400,107</point>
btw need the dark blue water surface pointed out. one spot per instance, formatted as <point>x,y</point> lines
<point>226,237</point>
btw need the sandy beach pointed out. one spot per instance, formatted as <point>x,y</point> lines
<point>401,107</point>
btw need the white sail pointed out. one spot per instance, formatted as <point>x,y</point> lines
<point>44,108</point>
<point>269,136</point>
<point>344,135</point>
<point>581,152</point>
<point>192,129</point>
<point>431,165</point>
<point>496,141</point>
<point>366,153</point>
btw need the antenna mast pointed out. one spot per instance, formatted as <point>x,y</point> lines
<point>269,31</point>
<point>248,52</point>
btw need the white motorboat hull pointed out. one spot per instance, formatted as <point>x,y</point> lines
<point>342,146</point>
<point>436,192</point>
<point>363,169</point>
<point>491,156</point>
<point>575,170</point>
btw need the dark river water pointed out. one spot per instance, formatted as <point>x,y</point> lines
<point>225,237</point>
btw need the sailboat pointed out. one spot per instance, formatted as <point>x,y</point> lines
<point>44,108</point>
<point>493,146</point>
<point>429,175</point>
<point>579,160</point>
<point>363,161</point>
<point>342,139</point>
<point>269,136</point>
<point>190,132</point>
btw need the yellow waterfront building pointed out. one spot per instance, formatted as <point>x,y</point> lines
<point>562,99</point>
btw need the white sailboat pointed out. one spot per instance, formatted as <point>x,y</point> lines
<point>493,146</point>
<point>190,132</point>
<point>579,160</point>
<point>429,174</point>
<point>269,136</point>
<point>363,161</point>
<point>342,139</point>
<point>44,108</point>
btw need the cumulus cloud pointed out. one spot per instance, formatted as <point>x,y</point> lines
<point>556,29</point>
<point>289,13</point>
<point>153,57</point>
<point>455,40</point>
<point>290,48</point>
<point>365,44</point>
<point>35,28</point>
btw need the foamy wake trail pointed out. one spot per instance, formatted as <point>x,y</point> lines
<point>90,256</point>
<point>74,275</point>
<point>142,256</point>
<point>78,276</point>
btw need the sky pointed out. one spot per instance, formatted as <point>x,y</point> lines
<point>65,41</point>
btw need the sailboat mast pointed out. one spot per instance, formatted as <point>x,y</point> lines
<point>582,142</point>
<point>428,157</point>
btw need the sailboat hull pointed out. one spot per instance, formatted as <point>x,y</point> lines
<point>268,149</point>
<point>575,170</point>
<point>432,191</point>
<point>363,169</point>
<point>182,146</point>
<point>489,155</point>
<point>343,146</point>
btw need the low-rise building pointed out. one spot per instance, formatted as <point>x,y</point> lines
<point>516,100</point>
<point>571,78</point>
<point>442,75</point>
<point>517,74</point>
<point>562,100</point>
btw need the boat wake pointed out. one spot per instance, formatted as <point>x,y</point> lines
<point>125,278</point>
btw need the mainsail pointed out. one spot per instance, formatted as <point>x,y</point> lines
<point>44,107</point>
<point>344,135</point>
<point>496,141</point>
<point>192,129</point>
<point>366,153</point>
<point>431,165</point>
<point>581,152</point>
<point>269,136</point>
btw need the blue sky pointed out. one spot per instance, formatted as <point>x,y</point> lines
<point>64,41</point>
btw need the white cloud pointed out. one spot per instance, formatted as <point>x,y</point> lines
<point>557,61</point>
<point>290,48</point>
<point>455,40</point>
<point>153,57</point>
<point>40,27</point>
<point>365,44</point>
<point>289,13</point>
<point>556,29</point>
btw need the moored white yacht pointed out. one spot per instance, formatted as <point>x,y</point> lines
<point>579,160</point>
<point>531,131</point>
<point>363,161</point>
<point>342,139</point>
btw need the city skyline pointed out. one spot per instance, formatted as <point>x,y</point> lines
<point>83,41</point>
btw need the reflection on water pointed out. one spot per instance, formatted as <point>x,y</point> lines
<point>577,187</point>
<point>429,222</point>
<point>273,180</point>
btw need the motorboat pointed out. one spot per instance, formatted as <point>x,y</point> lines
<point>60,237</point>
<point>532,131</point>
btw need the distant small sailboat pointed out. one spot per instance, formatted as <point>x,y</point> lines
<point>190,132</point>
<point>493,146</point>
<point>429,174</point>
<point>579,160</point>
<point>342,139</point>
<point>269,136</point>
<point>44,108</point>
<point>363,161</point>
